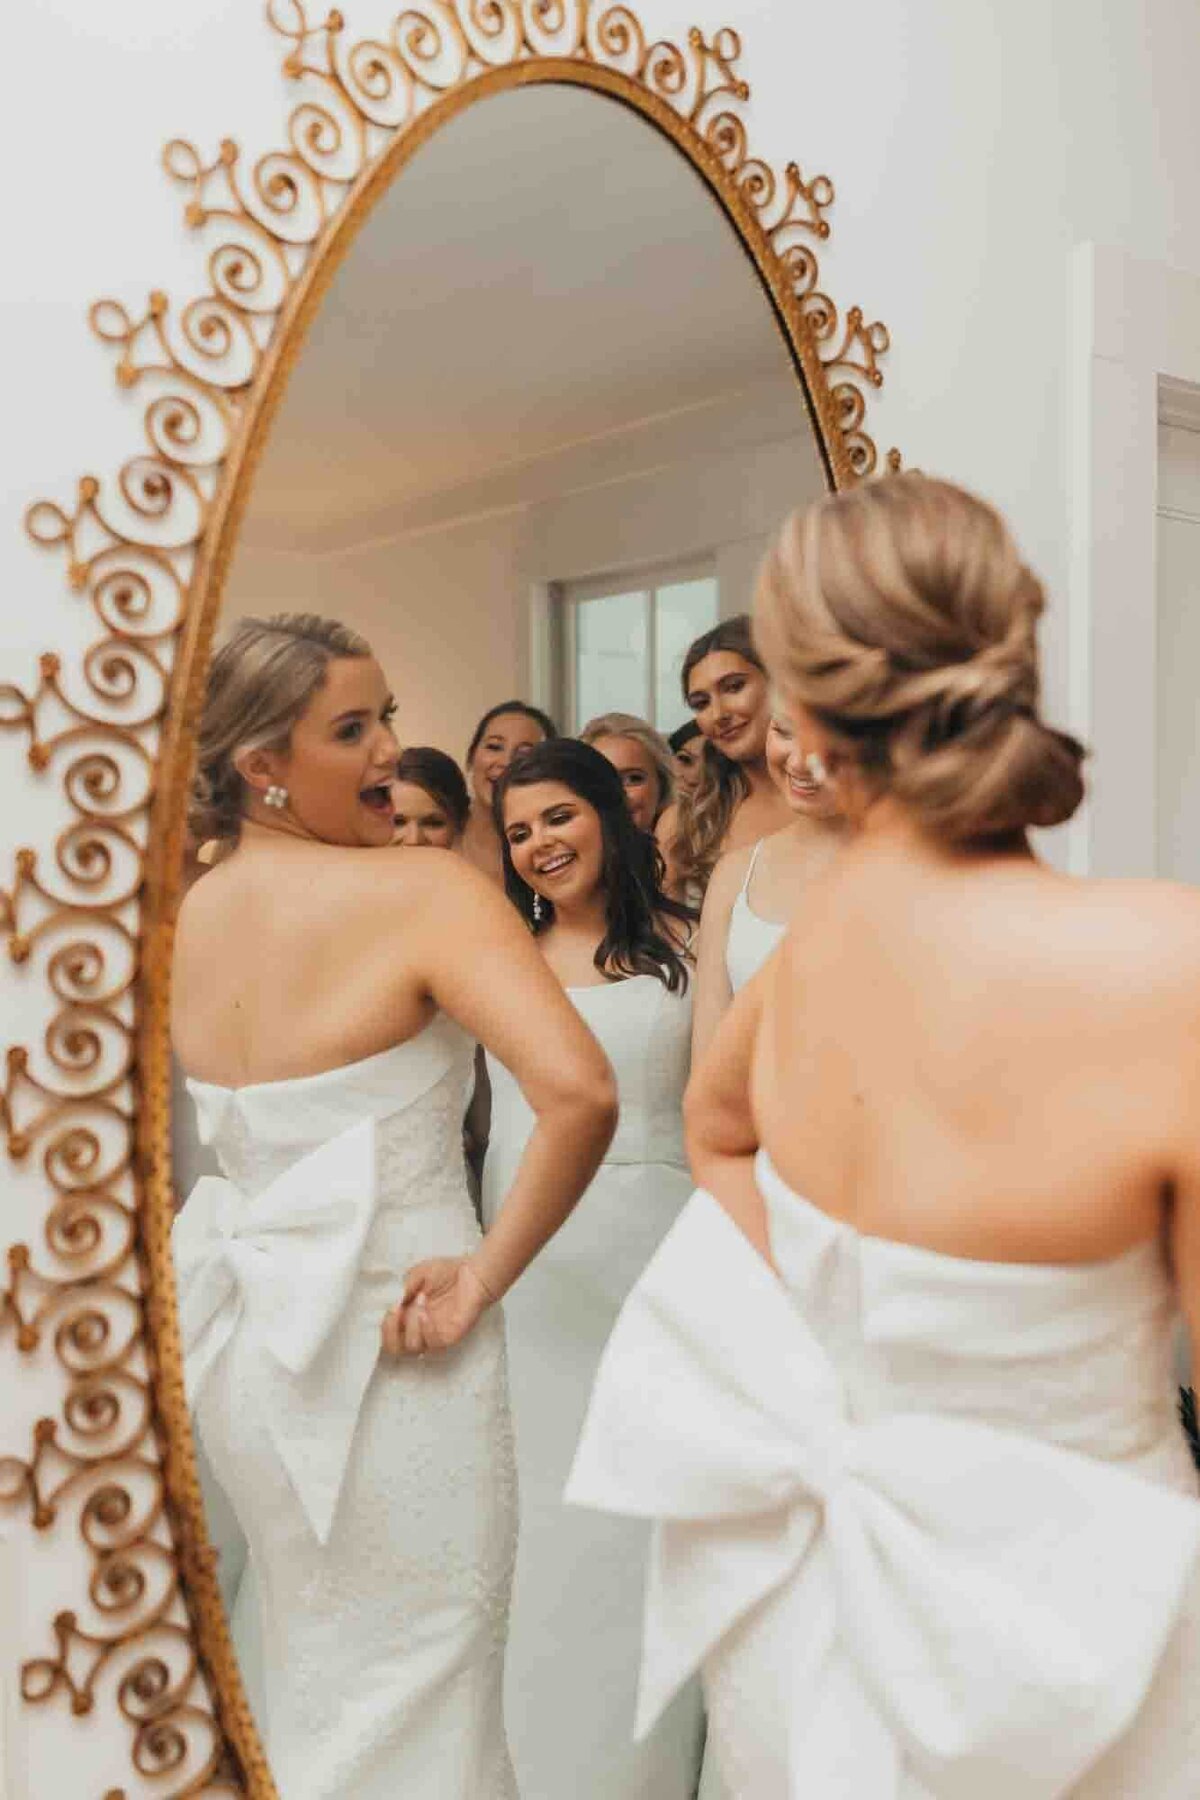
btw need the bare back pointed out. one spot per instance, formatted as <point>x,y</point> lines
<point>285,966</point>
<point>294,957</point>
<point>984,1058</point>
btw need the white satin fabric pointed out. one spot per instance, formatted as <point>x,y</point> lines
<point>571,1671</point>
<point>928,1525</point>
<point>376,1496</point>
<point>750,939</point>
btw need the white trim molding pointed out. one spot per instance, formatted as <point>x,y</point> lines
<point>1135,342</point>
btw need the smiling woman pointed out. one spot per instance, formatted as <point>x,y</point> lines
<point>503,732</point>
<point>642,758</point>
<point>586,878</point>
<point>733,801</point>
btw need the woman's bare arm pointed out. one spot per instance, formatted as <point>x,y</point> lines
<point>483,969</point>
<point>713,991</point>
<point>719,1125</point>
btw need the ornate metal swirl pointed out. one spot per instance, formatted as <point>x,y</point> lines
<point>87,920</point>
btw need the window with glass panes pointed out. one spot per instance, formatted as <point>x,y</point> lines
<point>623,641</point>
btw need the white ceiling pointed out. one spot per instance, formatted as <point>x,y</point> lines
<point>546,273</point>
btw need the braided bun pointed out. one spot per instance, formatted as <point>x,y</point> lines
<point>259,684</point>
<point>901,616</point>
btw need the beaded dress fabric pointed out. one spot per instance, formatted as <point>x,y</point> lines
<point>376,1497</point>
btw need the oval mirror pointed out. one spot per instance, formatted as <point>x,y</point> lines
<point>531,449</point>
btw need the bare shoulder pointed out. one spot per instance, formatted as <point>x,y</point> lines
<point>1139,937</point>
<point>1160,921</point>
<point>727,878</point>
<point>1161,916</point>
<point>207,902</point>
<point>431,878</point>
<point>666,828</point>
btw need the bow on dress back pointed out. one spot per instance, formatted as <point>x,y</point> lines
<point>375,1495</point>
<point>921,1519</point>
<point>275,1246</point>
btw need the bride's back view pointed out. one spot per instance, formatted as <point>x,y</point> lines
<point>960,1111</point>
<point>326,1002</point>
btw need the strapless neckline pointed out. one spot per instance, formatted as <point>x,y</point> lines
<point>357,1066</point>
<point>603,987</point>
<point>775,1189</point>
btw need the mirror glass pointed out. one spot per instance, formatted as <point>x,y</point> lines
<point>534,445</point>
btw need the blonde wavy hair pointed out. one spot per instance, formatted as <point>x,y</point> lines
<point>259,683</point>
<point>628,725</point>
<point>901,615</point>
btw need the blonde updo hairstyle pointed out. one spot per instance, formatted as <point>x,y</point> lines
<point>260,683</point>
<point>901,616</point>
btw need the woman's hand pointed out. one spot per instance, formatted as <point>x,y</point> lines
<point>444,1299</point>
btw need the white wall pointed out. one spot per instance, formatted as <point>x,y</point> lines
<point>973,143</point>
<point>1178,655</point>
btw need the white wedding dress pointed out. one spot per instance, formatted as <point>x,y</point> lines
<point>929,1524</point>
<point>376,1497</point>
<point>575,1635</point>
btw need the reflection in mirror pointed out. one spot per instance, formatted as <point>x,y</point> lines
<point>531,452</point>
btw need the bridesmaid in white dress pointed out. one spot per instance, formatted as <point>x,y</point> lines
<point>733,801</point>
<point>324,1006</point>
<point>586,880</point>
<point>927,1516</point>
<point>736,935</point>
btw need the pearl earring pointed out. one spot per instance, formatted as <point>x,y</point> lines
<point>276,796</point>
<point>537,909</point>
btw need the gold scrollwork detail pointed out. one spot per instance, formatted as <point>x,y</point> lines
<point>147,553</point>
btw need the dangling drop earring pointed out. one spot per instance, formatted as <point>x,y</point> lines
<point>276,796</point>
<point>537,909</point>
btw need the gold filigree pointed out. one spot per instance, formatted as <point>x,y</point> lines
<point>147,553</point>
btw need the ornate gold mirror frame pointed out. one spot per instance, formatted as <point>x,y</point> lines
<point>113,725</point>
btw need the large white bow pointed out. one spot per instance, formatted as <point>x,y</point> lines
<point>988,1607</point>
<point>282,1265</point>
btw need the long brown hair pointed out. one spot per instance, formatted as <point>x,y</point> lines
<point>645,928</point>
<point>706,813</point>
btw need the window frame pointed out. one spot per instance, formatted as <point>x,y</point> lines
<point>566,598</point>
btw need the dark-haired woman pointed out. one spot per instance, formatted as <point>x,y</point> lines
<point>733,802</point>
<point>687,748</point>
<point>430,803</point>
<point>586,880</point>
<point>505,731</point>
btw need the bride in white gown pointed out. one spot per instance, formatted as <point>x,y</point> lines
<point>325,1004</point>
<point>926,1514</point>
<point>585,878</point>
